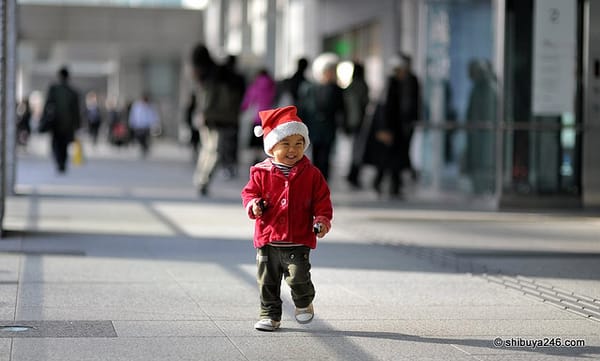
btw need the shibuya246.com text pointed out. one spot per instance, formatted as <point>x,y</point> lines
<point>518,342</point>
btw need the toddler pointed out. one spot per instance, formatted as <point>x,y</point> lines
<point>289,200</point>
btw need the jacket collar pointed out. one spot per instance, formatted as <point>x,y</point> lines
<point>267,164</point>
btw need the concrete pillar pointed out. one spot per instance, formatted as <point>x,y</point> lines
<point>215,22</point>
<point>312,38</point>
<point>11,87</point>
<point>271,41</point>
<point>3,167</point>
<point>246,30</point>
<point>591,136</point>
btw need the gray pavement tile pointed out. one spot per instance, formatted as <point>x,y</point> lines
<point>91,270</point>
<point>9,267</point>
<point>206,220</point>
<point>438,290</point>
<point>36,299</point>
<point>329,311</point>
<point>85,313</point>
<point>5,345</point>
<point>8,298</point>
<point>229,312</point>
<point>548,268</point>
<point>119,217</point>
<point>102,246</point>
<point>406,268</point>
<point>166,329</point>
<point>341,295</point>
<point>335,256</point>
<point>7,313</point>
<point>45,329</point>
<point>239,294</point>
<point>290,328</point>
<point>357,346</point>
<point>206,272</point>
<point>535,328</point>
<point>126,349</point>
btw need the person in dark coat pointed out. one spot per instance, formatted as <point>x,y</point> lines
<point>218,106</point>
<point>62,104</point>
<point>400,113</point>
<point>296,80</point>
<point>356,97</point>
<point>228,151</point>
<point>321,105</point>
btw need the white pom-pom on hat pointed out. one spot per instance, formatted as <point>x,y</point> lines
<point>258,131</point>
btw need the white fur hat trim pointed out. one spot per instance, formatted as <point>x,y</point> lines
<point>285,130</point>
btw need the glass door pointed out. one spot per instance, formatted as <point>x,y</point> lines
<point>460,97</point>
<point>542,92</point>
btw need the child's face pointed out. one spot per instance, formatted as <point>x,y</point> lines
<point>289,150</point>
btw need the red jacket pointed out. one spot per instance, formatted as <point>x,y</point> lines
<point>293,204</point>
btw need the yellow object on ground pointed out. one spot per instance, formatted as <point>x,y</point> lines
<point>77,152</point>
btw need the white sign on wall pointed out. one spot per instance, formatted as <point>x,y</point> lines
<point>554,56</point>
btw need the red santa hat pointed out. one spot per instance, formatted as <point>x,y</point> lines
<point>280,123</point>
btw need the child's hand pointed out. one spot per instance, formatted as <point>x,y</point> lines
<point>385,137</point>
<point>257,208</point>
<point>322,230</point>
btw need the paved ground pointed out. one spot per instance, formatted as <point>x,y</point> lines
<point>121,260</point>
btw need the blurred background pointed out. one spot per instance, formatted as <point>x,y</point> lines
<point>509,107</point>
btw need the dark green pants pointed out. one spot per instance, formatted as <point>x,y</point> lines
<point>293,264</point>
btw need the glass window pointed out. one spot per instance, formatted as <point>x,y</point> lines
<point>542,139</point>
<point>457,147</point>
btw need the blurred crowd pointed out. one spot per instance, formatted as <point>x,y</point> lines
<point>223,111</point>
<point>220,114</point>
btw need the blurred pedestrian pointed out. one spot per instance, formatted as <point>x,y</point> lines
<point>142,118</point>
<point>217,112</point>
<point>288,89</point>
<point>23,121</point>
<point>400,113</point>
<point>321,105</point>
<point>118,133</point>
<point>229,135</point>
<point>478,162</point>
<point>356,97</point>
<point>62,117</point>
<point>286,184</point>
<point>93,116</point>
<point>259,96</point>
<point>190,109</point>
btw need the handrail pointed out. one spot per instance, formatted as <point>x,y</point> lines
<point>519,126</point>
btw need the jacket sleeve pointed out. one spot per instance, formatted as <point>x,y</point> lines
<point>323,209</point>
<point>251,192</point>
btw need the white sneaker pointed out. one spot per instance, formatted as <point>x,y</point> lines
<point>267,324</point>
<point>305,315</point>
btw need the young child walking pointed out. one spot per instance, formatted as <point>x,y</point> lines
<point>289,200</point>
